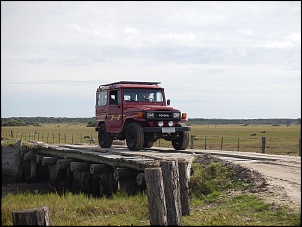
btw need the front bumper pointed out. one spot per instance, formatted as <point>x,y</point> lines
<point>160,129</point>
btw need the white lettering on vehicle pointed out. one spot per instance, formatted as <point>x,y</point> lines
<point>163,115</point>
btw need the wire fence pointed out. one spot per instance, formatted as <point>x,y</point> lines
<point>281,146</point>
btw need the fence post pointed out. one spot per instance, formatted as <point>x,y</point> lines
<point>221,145</point>
<point>263,145</point>
<point>156,196</point>
<point>238,144</point>
<point>192,141</point>
<point>300,147</point>
<point>205,142</point>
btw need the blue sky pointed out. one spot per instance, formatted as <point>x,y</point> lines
<point>233,60</point>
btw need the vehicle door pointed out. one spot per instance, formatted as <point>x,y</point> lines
<point>115,112</point>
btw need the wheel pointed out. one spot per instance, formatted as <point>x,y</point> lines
<point>182,142</point>
<point>134,137</point>
<point>148,144</point>
<point>105,139</point>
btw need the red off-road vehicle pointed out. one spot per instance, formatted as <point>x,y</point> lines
<point>139,113</point>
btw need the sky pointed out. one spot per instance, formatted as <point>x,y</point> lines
<point>215,59</point>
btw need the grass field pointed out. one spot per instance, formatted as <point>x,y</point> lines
<point>281,140</point>
<point>215,209</point>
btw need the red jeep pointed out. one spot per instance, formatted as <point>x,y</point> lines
<point>139,113</point>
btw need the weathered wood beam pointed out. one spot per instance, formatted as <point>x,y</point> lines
<point>121,174</point>
<point>35,216</point>
<point>97,157</point>
<point>64,163</point>
<point>80,166</point>
<point>184,187</point>
<point>156,196</point>
<point>172,192</point>
<point>100,168</point>
<point>49,160</point>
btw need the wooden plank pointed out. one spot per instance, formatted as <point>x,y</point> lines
<point>96,157</point>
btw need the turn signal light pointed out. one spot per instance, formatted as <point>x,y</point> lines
<point>184,115</point>
<point>140,114</point>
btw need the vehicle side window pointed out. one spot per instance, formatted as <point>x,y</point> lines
<point>114,97</point>
<point>102,98</point>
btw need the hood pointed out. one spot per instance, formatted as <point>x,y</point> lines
<point>149,107</point>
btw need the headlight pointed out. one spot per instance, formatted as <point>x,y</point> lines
<point>160,123</point>
<point>150,115</point>
<point>170,123</point>
<point>176,115</point>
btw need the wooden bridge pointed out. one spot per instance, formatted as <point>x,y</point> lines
<point>99,171</point>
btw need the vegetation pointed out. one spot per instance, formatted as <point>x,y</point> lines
<point>280,140</point>
<point>20,121</point>
<point>209,202</point>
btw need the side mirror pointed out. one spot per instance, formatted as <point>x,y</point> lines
<point>168,102</point>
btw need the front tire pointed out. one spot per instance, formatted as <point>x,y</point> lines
<point>105,139</point>
<point>182,142</point>
<point>134,136</point>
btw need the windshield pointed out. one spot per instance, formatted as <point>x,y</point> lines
<point>143,95</point>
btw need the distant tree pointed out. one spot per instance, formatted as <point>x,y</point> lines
<point>90,124</point>
<point>14,123</point>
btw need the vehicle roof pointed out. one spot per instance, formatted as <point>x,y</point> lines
<point>130,84</point>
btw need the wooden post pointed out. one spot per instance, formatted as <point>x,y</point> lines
<point>205,142</point>
<point>238,144</point>
<point>103,182</point>
<point>172,193</point>
<point>18,161</point>
<point>184,187</point>
<point>263,145</point>
<point>140,179</point>
<point>221,143</point>
<point>126,179</point>
<point>81,176</point>
<point>192,141</point>
<point>36,216</point>
<point>108,184</point>
<point>156,196</point>
<point>53,175</point>
<point>300,147</point>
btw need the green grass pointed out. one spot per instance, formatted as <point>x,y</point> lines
<point>209,202</point>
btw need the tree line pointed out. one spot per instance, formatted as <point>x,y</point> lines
<point>89,121</point>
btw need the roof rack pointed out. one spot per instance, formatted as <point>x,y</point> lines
<point>132,82</point>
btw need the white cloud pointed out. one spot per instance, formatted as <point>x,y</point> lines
<point>213,57</point>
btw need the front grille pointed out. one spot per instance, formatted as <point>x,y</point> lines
<point>163,115</point>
